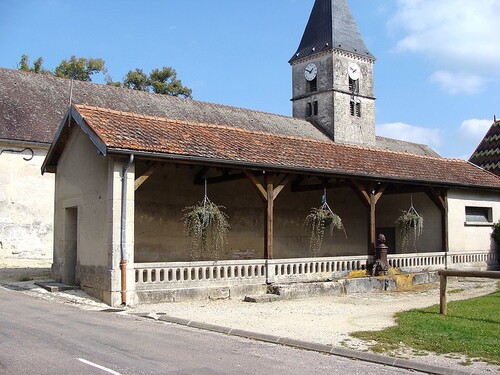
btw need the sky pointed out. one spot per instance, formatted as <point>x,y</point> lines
<point>437,74</point>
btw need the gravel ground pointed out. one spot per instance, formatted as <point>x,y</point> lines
<point>325,320</point>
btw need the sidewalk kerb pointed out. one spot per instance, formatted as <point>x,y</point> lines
<point>321,348</point>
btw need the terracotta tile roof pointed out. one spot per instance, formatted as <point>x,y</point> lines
<point>487,154</point>
<point>232,146</point>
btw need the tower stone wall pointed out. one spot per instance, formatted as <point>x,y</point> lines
<point>334,96</point>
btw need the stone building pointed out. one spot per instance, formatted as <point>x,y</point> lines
<point>127,164</point>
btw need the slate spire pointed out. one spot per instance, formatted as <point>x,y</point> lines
<point>331,26</point>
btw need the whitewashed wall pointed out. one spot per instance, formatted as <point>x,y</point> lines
<point>26,204</point>
<point>89,185</point>
<point>465,236</point>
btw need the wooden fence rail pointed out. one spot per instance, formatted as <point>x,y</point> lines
<point>443,275</point>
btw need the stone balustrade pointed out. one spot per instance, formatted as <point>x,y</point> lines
<point>150,276</point>
<point>176,274</point>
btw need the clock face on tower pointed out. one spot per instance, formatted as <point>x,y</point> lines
<point>354,71</point>
<point>311,71</point>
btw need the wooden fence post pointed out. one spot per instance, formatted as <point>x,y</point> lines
<point>443,306</point>
<point>443,274</point>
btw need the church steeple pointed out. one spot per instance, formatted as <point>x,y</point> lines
<point>331,25</point>
<point>332,75</point>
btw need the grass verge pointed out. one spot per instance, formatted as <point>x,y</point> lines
<point>471,328</point>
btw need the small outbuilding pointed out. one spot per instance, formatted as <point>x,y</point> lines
<point>123,180</point>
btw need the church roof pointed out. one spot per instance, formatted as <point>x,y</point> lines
<point>487,154</point>
<point>115,132</point>
<point>32,106</point>
<point>331,26</point>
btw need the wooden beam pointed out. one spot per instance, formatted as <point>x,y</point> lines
<point>405,189</point>
<point>222,178</point>
<point>198,178</point>
<point>256,184</point>
<point>361,192</point>
<point>277,190</point>
<point>297,182</point>
<point>320,186</point>
<point>438,197</point>
<point>377,194</point>
<point>142,179</point>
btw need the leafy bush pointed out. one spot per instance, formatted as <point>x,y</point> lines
<point>496,234</point>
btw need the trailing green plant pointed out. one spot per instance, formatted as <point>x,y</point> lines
<point>496,234</point>
<point>410,226</point>
<point>207,227</point>
<point>316,222</point>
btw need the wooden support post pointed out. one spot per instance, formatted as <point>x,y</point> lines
<point>370,197</point>
<point>269,218</point>
<point>268,193</point>
<point>443,305</point>
<point>443,274</point>
<point>440,199</point>
<point>372,226</point>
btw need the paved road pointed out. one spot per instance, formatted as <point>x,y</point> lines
<point>43,337</point>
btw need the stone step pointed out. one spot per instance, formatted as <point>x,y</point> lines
<point>262,298</point>
<point>52,286</point>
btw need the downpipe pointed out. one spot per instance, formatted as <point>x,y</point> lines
<point>123,236</point>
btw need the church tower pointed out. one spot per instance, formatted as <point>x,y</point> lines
<point>332,76</point>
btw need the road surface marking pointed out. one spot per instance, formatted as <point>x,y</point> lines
<point>98,366</point>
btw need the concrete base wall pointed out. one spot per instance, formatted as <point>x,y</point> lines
<point>200,294</point>
<point>291,290</point>
<point>95,281</point>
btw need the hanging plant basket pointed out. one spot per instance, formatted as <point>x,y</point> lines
<point>207,227</point>
<point>410,226</point>
<point>318,220</point>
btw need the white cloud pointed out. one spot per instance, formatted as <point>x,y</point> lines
<point>457,82</point>
<point>459,36</point>
<point>410,133</point>
<point>474,130</point>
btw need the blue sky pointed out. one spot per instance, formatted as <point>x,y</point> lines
<point>437,75</point>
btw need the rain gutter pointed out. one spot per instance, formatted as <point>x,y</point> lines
<point>123,237</point>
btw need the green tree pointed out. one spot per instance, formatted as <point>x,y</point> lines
<point>37,67</point>
<point>165,82</point>
<point>136,80</point>
<point>80,69</point>
<point>162,81</point>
